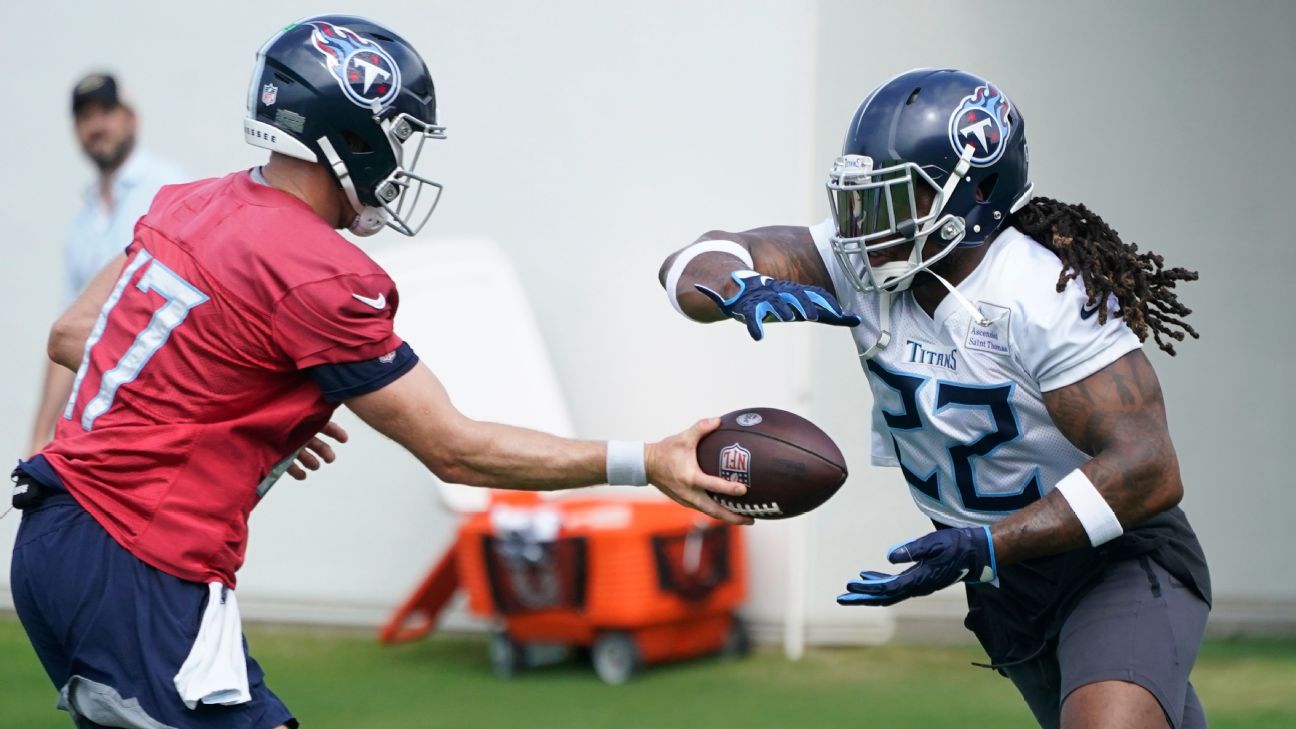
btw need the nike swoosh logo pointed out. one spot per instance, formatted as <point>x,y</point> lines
<point>378,302</point>
<point>1086,311</point>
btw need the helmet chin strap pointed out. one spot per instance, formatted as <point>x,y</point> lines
<point>884,326</point>
<point>964,164</point>
<point>368,220</point>
<point>887,272</point>
<point>883,275</point>
<point>886,297</point>
<point>963,301</point>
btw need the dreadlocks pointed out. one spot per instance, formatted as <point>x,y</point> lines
<point>1089,248</point>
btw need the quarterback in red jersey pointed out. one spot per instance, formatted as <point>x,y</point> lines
<point>214,350</point>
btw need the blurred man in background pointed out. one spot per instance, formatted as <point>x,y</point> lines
<point>129,177</point>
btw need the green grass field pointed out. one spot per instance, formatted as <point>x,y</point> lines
<point>335,680</point>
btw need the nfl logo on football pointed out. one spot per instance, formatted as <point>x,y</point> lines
<point>735,464</point>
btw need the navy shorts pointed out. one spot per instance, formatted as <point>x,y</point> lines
<point>1139,624</point>
<point>112,631</point>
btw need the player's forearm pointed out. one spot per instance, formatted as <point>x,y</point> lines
<point>1136,481</point>
<point>57,387</point>
<point>1118,415</point>
<point>503,456</point>
<point>416,412</point>
<point>782,252</point>
<point>711,270</point>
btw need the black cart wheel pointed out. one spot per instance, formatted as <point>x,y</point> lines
<point>616,657</point>
<point>738,642</point>
<point>507,656</point>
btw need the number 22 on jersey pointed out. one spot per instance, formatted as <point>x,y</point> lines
<point>996,401</point>
<point>179,297</point>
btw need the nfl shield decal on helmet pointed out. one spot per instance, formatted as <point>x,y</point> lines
<point>735,464</point>
<point>269,94</point>
<point>982,120</point>
<point>367,73</point>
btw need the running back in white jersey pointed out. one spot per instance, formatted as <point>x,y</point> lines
<point>959,407</point>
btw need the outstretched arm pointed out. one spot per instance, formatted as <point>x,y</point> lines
<point>766,274</point>
<point>416,412</point>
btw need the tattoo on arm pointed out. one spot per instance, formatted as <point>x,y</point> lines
<point>789,254</point>
<point>1117,416</point>
<point>783,252</point>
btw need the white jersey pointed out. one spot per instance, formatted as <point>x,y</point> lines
<point>959,407</point>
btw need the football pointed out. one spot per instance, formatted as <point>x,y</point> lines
<point>790,466</point>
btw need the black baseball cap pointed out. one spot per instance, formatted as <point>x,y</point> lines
<point>96,88</point>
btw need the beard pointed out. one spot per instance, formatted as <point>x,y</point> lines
<point>109,160</point>
<point>945,266</point>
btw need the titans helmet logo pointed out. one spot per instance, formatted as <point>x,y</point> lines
<point>367,74</point>
<point>982,120</point>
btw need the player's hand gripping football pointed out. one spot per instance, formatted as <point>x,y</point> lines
<point>943,558</point>
<point>315,450</point>
<point>761,299</point>
<point>673,468</point>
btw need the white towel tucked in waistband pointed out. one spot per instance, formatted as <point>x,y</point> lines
<point>216,670</point>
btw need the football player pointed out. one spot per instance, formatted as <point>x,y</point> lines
<point>1000,336</point>
<point>214,349</point>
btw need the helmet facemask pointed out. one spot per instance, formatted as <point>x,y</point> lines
<point>402,193</point>
<point>875,209</point>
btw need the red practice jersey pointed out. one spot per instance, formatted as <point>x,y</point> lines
<point>192,392</point>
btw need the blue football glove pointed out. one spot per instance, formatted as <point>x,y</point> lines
<point>944,557</point>
<point>761,299</point>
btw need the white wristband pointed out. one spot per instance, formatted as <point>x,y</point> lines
<point>687,255</point>
<point>625,463</point>
<point>1093,511</point>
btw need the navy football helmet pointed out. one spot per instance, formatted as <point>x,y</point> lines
<point>929,134</point>
<point>351,94</point>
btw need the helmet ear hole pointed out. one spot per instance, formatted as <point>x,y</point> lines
<point>355,143</point>
<point>987,186</point>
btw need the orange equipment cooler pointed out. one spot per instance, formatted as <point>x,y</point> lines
<point>635,582</point>
<point>638,582</point>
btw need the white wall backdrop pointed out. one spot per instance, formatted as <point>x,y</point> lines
<point>589,139</point>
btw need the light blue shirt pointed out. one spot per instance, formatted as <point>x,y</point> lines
<point>97,234</point>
